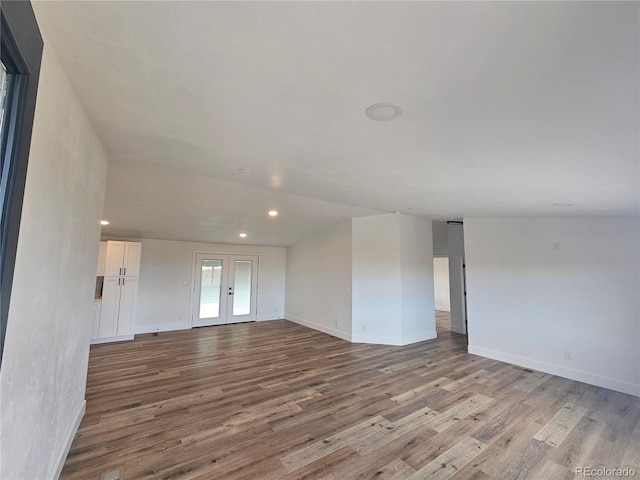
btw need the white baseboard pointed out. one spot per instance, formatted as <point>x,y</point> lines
<point>421,337</point>
<point>322,328</point>
<point>170,327</point>
<point>120,338</point>
<point>591,379</point>
<point>456,329</point>
<point>267,318</point>
<point>397,341</point>
<point>71,434</point>
<point>443,308</point>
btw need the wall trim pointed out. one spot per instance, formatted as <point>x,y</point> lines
<point>396,341</point>
<point>580,376</point>
<point>121,338</point>
<point>322,328</point>
<point>161,328</point>
<point>443,308</point>
<point>269,317</point>
<point>71,434</point>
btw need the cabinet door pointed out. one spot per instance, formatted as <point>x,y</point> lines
<point>128,300</point>
<point>110,307</point>
<point>132,251</point>
<point>115,259</point>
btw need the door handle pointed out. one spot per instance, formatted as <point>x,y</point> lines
<point>125,271</point>
<point>120,271</point>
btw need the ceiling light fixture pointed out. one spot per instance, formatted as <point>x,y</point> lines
<point>243,235</point>
<point>104,222</point>
<point>273,213</point>
<point>382,112</point>
<point>560,204</point>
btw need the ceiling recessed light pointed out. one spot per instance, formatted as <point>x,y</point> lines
<point>383,112</point>
<point>243,235</point>
<point>560,204</point>
<point>273,213</point>
<point>104,222</point>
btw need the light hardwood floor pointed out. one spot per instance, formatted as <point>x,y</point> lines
<point>275,400</point>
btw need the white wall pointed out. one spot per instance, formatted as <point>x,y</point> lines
<point>393,298</point>
<point>376,279</point>
<point>318,281</point>
<point>441,283</point>
<point>416,280</point>
<point>539,287</point>
<point>166,282</point>
<point>44,367</point>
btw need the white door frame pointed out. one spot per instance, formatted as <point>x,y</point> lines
<point>194,297</point>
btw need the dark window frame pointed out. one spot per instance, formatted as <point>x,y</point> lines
<point>21,52</point>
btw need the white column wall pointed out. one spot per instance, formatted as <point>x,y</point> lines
<point>393,293</point>
<point>416,277</point>
<point>377,283</point>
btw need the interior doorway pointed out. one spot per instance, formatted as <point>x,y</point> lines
<point>225,289</point>
<point>441,283</point>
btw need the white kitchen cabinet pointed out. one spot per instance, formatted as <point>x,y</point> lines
<point>110,307</point>
<point>119,299</point>
<point>119,292</point>
<point>128,301</point>
<point>122,259</point>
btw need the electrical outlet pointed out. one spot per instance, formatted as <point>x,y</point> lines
<point>568,355</point>
<point>337,323</point>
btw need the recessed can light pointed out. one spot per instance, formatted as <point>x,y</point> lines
<point>273,213</point>
<point>243,235</point>
<point>383,112</point>
<point>104,222</point>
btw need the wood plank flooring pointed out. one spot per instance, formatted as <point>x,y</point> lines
<point>275,400</point>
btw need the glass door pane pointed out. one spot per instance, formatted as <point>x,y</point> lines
<point>210,288</point>
<point>242,287</point>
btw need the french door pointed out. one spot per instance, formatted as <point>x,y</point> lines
<point>225,289</point>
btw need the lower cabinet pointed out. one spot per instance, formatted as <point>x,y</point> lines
<point>119,296</point>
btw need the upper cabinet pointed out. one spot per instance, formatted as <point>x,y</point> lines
<point>123,259</point>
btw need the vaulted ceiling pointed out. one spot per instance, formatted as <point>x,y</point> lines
<point>214,112</point>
